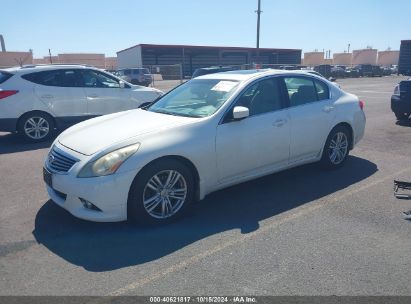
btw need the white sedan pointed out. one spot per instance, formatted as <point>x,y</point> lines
<point>214,131</point>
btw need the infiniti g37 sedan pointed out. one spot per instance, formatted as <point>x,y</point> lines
<point>213,131</point>
<point>36,99</point>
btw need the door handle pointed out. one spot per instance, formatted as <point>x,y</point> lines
<point>279,122</point>
<point>328,109</point>
<point>47,96</point>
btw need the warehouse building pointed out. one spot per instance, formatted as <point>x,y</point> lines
<point>192,57</point>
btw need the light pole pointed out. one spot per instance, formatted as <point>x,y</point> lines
<point>258,11</point>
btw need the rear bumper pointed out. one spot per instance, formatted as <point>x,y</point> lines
<point>8,124</point>
<point>400,106</point>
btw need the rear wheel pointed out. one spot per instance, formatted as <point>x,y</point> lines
<point>160,193</point>
<point>336,148</point>
<point>36,126</point>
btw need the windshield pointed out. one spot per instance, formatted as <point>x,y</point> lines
<point>196,98</point>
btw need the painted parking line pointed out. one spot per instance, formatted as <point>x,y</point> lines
<point>285,217</point>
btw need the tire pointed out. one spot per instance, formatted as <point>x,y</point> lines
<point>36,127</point>
<point>336,148</point>
<point>148,195</point>
<point>401,116</point>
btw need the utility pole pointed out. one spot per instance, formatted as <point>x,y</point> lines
<point>348,48</point>
<point>258,11</point>
<point>51,62</point>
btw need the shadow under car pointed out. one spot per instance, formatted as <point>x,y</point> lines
<point>107,246</point>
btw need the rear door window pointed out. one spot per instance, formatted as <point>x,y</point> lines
<point>4,76</point>
<point>55,78</point>
<point>301,90</point>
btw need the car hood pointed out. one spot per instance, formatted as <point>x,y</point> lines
<point>96,134</point>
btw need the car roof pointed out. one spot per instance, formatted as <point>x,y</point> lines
<point>243,75</point>
<point>132,69</point>
<point>45,67</point>
<point>216,68</point>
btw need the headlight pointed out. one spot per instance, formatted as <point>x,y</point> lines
<point>109,163</point>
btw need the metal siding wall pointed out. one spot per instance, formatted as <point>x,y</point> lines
<point>130,58</point>
<point>194,59</point>
<point>404,66</point>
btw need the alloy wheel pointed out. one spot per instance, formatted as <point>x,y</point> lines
<point>338,148</point>
<point>165,194</point>
<point>36,128</point>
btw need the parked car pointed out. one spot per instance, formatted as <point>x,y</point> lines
<point>138,76</point>
<point>35,100</point>
<point>386,71</point>
<point>311,72</point>
<point>365,70</point>
<point>214,131</point>
<point>338,72</point>
<point>352,72</point>
<point>324,69</point>
<point>212,70</point>
<point>377,71</point>
<point>401,100</point>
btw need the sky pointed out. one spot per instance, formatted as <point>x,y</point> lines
<point>92,26</point>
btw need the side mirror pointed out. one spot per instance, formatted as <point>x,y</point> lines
<point>240,113</point>
<point>122,84</point>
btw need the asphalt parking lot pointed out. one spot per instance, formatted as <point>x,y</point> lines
<point>300,232</point>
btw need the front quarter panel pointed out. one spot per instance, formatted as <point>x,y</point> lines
<point>194,142</point>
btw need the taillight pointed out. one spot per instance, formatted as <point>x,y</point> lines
<point>361,104</point>
<point>397,90</point>
<point>7,93</point>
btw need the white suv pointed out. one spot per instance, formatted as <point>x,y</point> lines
<point>35,100</point>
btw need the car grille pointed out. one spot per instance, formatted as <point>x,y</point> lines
<point>60,161</point>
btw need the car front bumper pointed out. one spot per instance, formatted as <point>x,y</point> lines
<point>108,193</point>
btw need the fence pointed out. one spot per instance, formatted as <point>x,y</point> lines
<point>166,77</point>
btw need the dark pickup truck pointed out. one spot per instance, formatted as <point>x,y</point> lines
<point>401,100</point>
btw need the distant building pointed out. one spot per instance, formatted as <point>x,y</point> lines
<point>388,57</point>
<point>192,57</point>
<point>342,59</point>
<point>9,59</point>
<point>364,56</point>
<point>313,58</point>
<point>111,63</point>
<point>96,60</point>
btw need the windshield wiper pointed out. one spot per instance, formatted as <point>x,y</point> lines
<point>176,114</point>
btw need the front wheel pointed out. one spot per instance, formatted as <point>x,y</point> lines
<point>36,127</point>
<point>336,148</point>
<point>160,193</point>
